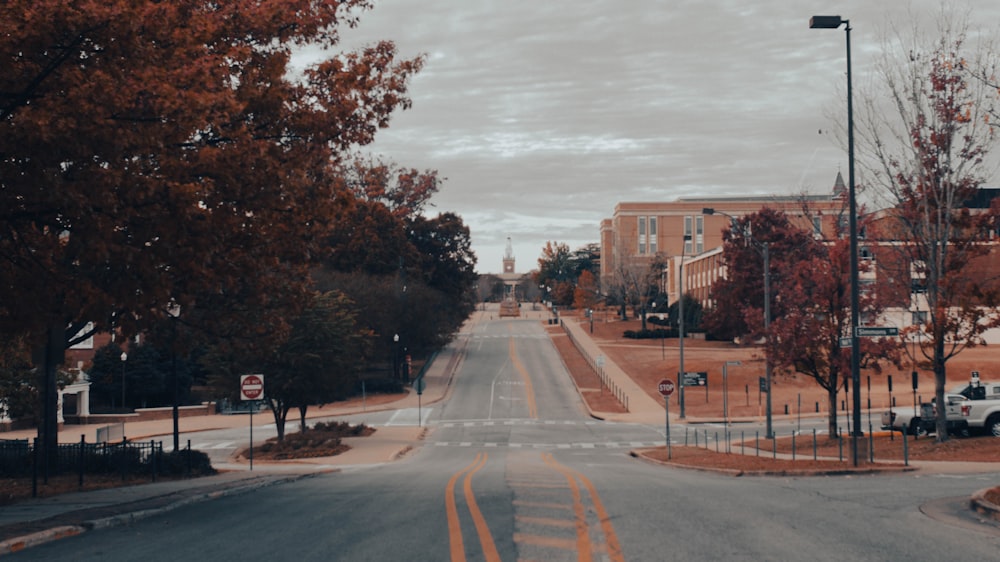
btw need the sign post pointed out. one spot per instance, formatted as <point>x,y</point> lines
<point>251,390</point>
<point>419,384</point>
<point>666,388</point>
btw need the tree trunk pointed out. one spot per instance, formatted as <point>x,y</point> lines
<point>302,418</point>
<point>280,412</point>
<point>831,396</point>
<point>940,374</point>
<point>49,356</point>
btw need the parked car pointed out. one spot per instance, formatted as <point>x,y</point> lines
<point>924,421</point>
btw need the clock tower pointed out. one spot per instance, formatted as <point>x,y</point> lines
<point>508,258</point>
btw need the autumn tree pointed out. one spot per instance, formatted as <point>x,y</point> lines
<point>927,150</point>
<point>588,293</point>
<point>319,361</point>
<point>805,338</point>
<point>404,192</point>
<point>556,274</point>
<point>161,153</point>
<point>810,300</point>
<point>738,298</point>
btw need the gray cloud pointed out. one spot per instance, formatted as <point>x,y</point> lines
<point>544,114</point>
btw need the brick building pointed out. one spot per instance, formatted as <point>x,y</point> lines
<point>638,233</point>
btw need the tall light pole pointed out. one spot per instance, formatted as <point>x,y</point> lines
<point>834,22</point>
<point>124,358</point>
<point>765,252</point>
<point>680,319</point>
<point>174,311</point>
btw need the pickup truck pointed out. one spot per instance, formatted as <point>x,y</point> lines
<point>924,422</point>
<point>982,415</point>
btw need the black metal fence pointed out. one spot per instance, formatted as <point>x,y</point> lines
<point>21,458</point>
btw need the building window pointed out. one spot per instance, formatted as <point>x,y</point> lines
<point>699,238</point>
<point>642,235</point>
<point>817,228</point>
<point>688,235</point>
<point>919,317</point>
<point>652,235</point>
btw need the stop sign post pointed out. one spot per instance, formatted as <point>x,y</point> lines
<point>666,387</point>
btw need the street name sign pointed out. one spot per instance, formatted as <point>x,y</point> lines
<point>876,331</point>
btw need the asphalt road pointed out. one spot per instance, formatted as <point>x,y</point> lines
<point>514,469</point>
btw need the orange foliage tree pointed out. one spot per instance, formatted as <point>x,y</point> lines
<point>156,154</point>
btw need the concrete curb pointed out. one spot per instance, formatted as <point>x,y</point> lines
<point>983,506</point>
<point>18,544</point>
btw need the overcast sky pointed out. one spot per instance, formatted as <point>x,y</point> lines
<point>543,114</point>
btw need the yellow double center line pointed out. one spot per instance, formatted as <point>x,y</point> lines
<point>582,534</point>
<point>454,527</point>
<point>526,379</point>
<point>573,478</point>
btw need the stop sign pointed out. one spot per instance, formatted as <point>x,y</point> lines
<point>666,387</point>
<point>251,387</point>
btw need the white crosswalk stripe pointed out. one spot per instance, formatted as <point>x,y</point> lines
<point>608,445</point>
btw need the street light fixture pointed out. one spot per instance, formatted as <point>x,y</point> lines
<point>680,320</point>
<point>764,249</point>
<point>834,22</point>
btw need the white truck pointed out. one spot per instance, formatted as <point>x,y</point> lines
<point>924,421</point>
<point>982,415</point>
<point>968,407</point>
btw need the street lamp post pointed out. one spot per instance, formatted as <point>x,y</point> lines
<point>765,252</point>
<point>834,22</point>
<point>124,357</point>
<point>680,319</point>
<point>174,311</point>
<point>395,356</point>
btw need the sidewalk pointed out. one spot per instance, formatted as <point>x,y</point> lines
<point>41,520</point>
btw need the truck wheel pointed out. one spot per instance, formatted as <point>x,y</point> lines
<point>993,425</point>
<point>917,427</point>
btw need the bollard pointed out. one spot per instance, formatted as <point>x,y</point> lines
<point>83,440</point>
<point>814,444</point>
<point>871,445</point>
<point>906,451</point>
